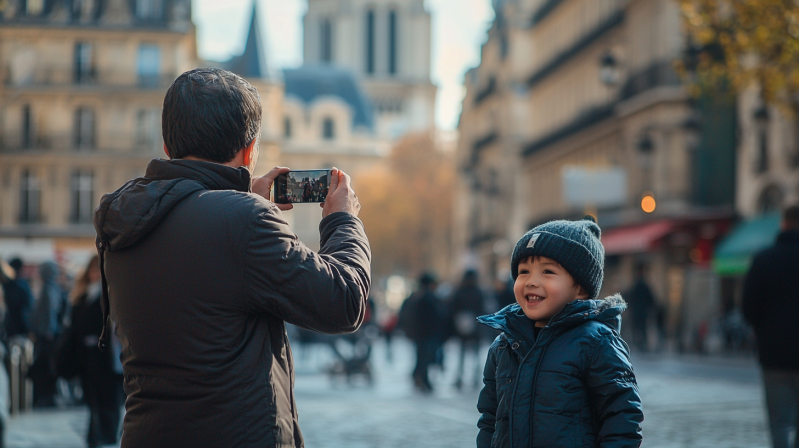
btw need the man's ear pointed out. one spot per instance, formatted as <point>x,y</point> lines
<point>166,151</point>
<point>249,152</point>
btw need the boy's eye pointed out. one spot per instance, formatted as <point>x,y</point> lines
<point>548,271</point>
<point>523,271</point>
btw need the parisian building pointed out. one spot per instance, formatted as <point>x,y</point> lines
<point>576,108</point>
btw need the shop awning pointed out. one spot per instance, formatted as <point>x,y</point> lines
<point>734,253</point>
<point>635,239</point>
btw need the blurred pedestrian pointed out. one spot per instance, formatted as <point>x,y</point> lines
<point>423,319</point>
<point>19,302</point>
<point>771,305</point>
<point>466,303</point>
<point>201,273</point>
<point>641,303</point>
<point>7,275</point>
<point>559,374</point>
<point>46,327</point>
<point>100,377</point>
<point>503,292</point>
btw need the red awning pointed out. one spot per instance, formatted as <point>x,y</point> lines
<point>635,239</point>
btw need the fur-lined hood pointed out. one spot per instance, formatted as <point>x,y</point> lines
<point>512,320</point>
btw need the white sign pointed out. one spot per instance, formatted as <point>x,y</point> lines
<point>597,187</point>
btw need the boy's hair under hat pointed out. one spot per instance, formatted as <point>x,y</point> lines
<point>573,244</point>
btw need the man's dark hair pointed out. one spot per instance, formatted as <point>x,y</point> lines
<point>211,114</point>
<point>791,217</point>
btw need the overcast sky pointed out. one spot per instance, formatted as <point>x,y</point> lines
<point>459,28</point>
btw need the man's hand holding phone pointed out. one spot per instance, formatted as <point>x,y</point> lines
<point>341,197</point>
<point>263,185</point>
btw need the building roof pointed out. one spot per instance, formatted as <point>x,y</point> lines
<point>252,63</point>
<point>310,82</point>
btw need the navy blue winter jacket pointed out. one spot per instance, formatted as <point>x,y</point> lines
<point>572,387</point>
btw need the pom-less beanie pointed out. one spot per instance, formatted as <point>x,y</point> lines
<point>573,244</point>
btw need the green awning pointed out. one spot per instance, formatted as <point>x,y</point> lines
<point>734,253</point>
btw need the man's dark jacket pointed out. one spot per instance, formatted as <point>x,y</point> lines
<point>571,386</point>
<point>202,274</point>
<point>771,302</point>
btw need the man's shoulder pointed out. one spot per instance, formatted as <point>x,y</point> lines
<point>242,204</point>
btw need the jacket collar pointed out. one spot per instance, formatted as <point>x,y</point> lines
<point>788,237</point>
<point>213,176</point>
<point>512,321</point>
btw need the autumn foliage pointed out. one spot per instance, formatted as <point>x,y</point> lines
<point>407,208</point>
<point>744,43</point>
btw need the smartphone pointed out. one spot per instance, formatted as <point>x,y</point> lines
<point>301,186</point>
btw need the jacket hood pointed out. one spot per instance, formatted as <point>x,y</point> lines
<point>127,215</point>
<point>512,320</point>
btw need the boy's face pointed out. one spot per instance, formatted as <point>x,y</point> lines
<point>543,288</point>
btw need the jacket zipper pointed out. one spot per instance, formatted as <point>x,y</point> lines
<point>515,386</point>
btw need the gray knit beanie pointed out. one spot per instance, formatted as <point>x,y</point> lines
<point>573,244</point>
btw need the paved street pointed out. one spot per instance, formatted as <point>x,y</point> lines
<point>688,402</point>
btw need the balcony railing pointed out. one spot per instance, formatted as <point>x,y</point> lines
<point>658,74</point>
<point>50,77</point>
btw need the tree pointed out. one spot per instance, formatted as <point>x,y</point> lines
<point>407,208</point>
<point>740,43</point>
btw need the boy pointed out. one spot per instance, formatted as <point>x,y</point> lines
<point>559,375</point>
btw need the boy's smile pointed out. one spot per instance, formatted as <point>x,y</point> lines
<point>543,288</point>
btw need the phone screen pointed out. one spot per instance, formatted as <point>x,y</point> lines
<point>300,186</point>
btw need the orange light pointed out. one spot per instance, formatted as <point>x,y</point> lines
<point>648,204</point>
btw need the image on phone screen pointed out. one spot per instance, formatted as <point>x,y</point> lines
<point>301,186</point>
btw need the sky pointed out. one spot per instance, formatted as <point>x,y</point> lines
<point>459,29</point>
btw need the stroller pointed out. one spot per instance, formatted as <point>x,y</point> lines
<point>352,352</point>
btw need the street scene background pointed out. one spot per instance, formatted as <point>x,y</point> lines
<point>463,124</point>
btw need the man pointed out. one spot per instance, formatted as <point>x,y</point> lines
<point>423,319</point>
<point>19,302</point>
<point>771,305</point>
<point>202,272</point>
<point>641,302</point>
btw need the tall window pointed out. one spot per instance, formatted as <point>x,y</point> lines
<point>149,9</point>
<point>149,64</point>
<point>761,164</point>
<point>327,41</point>
<point>392,42</point>
<point>328,129</point>
<point>370,41</point>
<point>287,127</point>
<point>30,192</point>
<point>148,128</point>
<point>27,126</point>
<point>82,190</point>
<point>84,63</point>
<point>84,128</point>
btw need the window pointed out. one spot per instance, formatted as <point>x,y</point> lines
<point>27,126</point>
<point>149,64</point>
<point>30,192</point>
<point>148,128</point>
<point>149,9</point>
<point>370,41</point>
<point>761,164</point>
<point>34,7</point>
<point>287,127</point>
<point>84,128</point>
<point>392,42</point>
<point>82,190</point>
<point>84,63</point>
<point>770,199</point>
<point>327,41</point>
<point>328,129</point>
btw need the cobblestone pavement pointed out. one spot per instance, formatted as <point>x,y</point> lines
<point>688,402</point>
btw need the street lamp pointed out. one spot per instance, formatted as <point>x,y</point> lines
<point>609,70</point>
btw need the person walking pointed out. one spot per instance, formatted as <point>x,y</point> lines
<point>771,304</point>
<point>465,305</point>
<point>641,303</point>
<point>423,319</point>
<point>19,302</point>
<point>99,378</point>
<point>201,273</point>
<point>46,327</point>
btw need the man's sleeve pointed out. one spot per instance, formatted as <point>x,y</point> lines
<point>487,403</point>
<point>754,295</point>
<point>614,394</point>
<point>324,291</point>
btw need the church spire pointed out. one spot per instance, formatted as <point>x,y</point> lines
<point>252,62</point>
